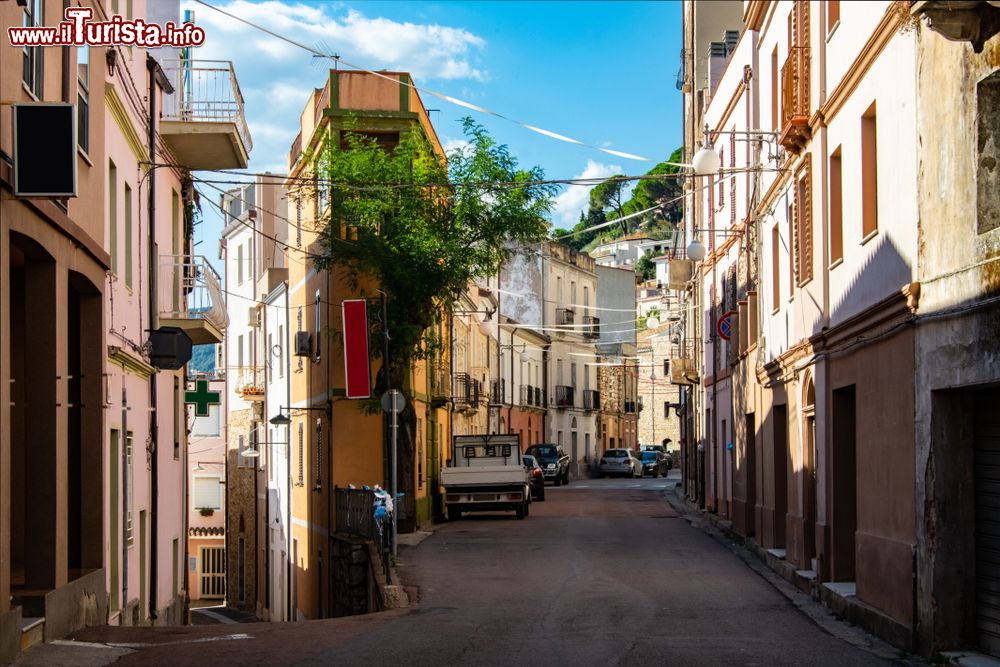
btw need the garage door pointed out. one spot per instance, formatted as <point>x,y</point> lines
<point>987,462</point>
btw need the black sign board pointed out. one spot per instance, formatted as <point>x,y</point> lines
<point>171,348</point>
<point>45,149</point>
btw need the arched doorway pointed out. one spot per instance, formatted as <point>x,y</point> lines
<point>810,471</point>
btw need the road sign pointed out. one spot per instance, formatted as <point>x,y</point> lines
<point>724,327</point>
<point>393,401</point>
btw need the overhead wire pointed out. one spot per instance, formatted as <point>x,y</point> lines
<point>439,95</point>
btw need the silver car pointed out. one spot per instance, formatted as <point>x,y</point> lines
<point>620,462</point>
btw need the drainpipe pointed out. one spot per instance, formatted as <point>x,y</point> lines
<point>288,461</point>
<point>154,73</point>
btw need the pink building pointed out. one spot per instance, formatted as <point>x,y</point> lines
<point>206,515</point>
<point>98,294</point>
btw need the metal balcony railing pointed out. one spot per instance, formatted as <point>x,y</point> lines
<point>592,326</point>
<point>540,397</point>
<point>564,316</point>
<point>498,391</point>
<point>466,391</point>
<point>440,382</point>
<point>591,399</point>
<point>564,396</point>
<point>250,383</point>
<point>190,289</point>
<point>527,395</point>
<point>205,91</point>
<point>630,407</point>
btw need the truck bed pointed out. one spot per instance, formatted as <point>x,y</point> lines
<point>483,476</point>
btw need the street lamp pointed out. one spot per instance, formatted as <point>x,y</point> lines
<point>706,161</point>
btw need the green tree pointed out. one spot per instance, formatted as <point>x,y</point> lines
<point>422,228</point>
<point>646,267</point>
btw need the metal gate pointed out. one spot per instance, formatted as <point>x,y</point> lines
<point>213,572</point>
<point>987,484</point>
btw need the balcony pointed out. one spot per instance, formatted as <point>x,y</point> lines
<point>189,295</point>
<point>498,392</point>
<point>795,132</point>
<point>591,399</point>
<point>440,386</point>
<point>527,395</point>
<point>203,121</point>
<point>591,326</point>
<point>564,396</point>
<point>564,316</point>
<point>250,383</point>
<point>466,392</point>
<point>539,397</point>
<point>630,407</point>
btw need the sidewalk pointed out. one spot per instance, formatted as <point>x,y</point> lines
<point>808,604</point>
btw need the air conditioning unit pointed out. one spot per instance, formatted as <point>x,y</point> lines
<point>303,344</point>
<point>679,272</point>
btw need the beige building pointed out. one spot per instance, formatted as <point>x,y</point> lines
<point>836,399</point>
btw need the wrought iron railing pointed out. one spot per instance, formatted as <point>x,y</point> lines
<point>356,516</point>
<point>592,326</point>
<point>564,396</point>
<point>591,399</point>
<point>205,91</point>
<point>189,288</point>
<point>564,316</point>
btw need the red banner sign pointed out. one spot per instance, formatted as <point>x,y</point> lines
<point>357,364</point>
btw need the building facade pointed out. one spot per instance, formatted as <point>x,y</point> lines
<point>206,541</point>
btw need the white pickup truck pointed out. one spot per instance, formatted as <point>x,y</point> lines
<point>486,473</point>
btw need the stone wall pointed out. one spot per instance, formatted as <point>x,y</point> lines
<point>241,515</point>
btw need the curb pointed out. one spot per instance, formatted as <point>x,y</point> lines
<point>806,602</point>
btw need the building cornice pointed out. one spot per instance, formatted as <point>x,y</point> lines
<point>129,362</point>
<point>753,15</point>
<point>120,115</point>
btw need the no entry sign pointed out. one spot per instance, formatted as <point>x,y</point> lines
<point>724,327</point>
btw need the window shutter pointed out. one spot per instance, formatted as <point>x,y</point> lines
<point>206,493</point>
<point>807,222</point>
<point>732,180</point>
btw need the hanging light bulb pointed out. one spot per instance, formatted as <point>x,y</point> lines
<point>525,356</point>
<point>696,250</point>
<point>652,322</point>
<point>486,327</point>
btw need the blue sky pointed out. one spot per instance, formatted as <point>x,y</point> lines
<point>600,72</point>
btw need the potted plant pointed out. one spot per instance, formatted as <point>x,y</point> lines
<point>206,511</point>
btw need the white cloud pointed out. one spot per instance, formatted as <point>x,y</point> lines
<point>574,199</point>
<point>453,144</point>
<point>427,51</point>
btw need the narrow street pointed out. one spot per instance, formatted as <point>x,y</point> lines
<point>604,572</point>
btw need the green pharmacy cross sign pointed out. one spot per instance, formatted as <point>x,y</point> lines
<point>201,398</point>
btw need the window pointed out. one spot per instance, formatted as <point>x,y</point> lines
<point>281,350</point>
<point>179,418</point>
<point>420,454</point>
<point>832,15</point>
<point>128,484</point>
<point>83,97</point>
<point>869,174</point>
<point>239,352</point>
<point>836,209</point>
<point>803,223</point>
<point>791,212</point>
<point>31,72</point>
<point>572,374</point>
<point>666,409</point>
<point>775,269</point>
<point>298,220</point>
<point>113,215</point>
<point>128,236</point>
<point>207,493</point>
<point>319,453</point>
<point>319,326</point>
<point>302,454</point>
<point>987,153</point>
<point>239,264</point>
<point>666,368</point>
<point>270,346</point>
<point>774,89</point>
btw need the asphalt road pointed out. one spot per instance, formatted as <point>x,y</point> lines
<point>603,572</point>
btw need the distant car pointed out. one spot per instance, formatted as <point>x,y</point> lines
<point>654,448</point>
<point>535,477</point>
<point>554,462</point>
<point>620,462</point>
<point>656,464</point>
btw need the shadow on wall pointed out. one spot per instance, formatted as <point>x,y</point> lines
<point>884,273</point>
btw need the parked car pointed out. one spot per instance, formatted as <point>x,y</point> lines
<point>554,462</point>
<point>535,476</point>
<point>654,448</point>
<point>656,464</point>
<point>620,462</point>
